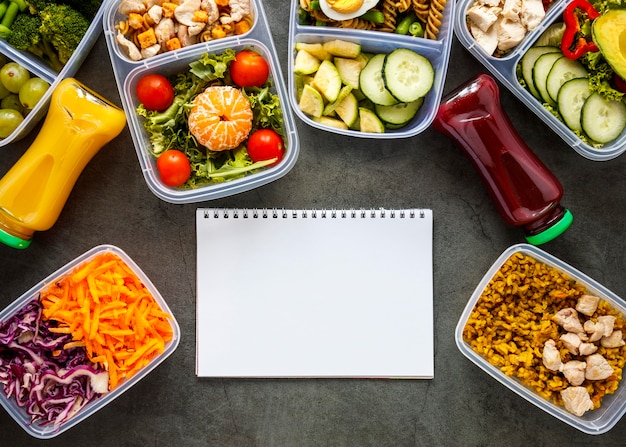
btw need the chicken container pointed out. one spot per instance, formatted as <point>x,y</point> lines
<point>434,46</point>
<point>613,406</point>
<point>507,69</point>
<point>128,72</point>
<point>38,67</point>
<point>47,431</point>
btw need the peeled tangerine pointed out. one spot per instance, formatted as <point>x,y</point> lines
<point>220,118</point>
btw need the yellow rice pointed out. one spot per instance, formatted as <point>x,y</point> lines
<point>512,320</point>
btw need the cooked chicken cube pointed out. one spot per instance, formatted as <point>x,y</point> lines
<point>212,10</point>
<point>609,323</point>
<point>568,319</point>
<point>151,51</point>
<point>571,341</point>
<point>587,348</point>
<point>511,10</point>
<point>597,368</point>
<point>185,11</point>
<point>594,329</point>
<point>155,13</point>
<point>483,16</point>
<point>614,340</point>
<point>574,372</point>
<point>488,41</point>
<point>587,304</point>
<point>128,46</point>
<point>128,6</point>
<point>532,13</point>
<point>552,356</point>
<point>576,400</point>
<point>165,30</point>
<point>510,33</point>
<point>238,10</point>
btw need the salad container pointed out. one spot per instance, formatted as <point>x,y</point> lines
<point>37,67</point>
<point>128,73</point>
<point>504,69</point>
<point>48,431</point>
<point>593,422</point>
<point>437,51</point>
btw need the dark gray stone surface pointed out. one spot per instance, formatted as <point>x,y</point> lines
<point>111,204</point>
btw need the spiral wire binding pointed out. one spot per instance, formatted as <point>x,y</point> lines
<point>264,213</point>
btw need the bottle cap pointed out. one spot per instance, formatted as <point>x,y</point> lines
<point>14,241</point>
<point>552,232</point>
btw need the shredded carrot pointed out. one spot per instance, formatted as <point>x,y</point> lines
<point>109,311</point>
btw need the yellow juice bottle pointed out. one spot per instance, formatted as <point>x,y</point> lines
<point>33,192</point>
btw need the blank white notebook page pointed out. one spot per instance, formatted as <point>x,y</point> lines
<point>296,293</point>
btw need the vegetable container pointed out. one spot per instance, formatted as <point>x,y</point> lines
<point>504,69</point>
<point>37,67</point>
<point>48,431</point>
<point>128,73</point>
<point>592,422</point>
<point>437,51</point>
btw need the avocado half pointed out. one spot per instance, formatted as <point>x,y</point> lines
<point>609,34</point>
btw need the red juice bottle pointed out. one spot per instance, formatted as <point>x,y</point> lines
<point>526,193</point>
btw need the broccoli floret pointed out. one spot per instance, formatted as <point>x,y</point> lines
<point>25,36</point>
<point>34,6</point>
<point>64,28</point>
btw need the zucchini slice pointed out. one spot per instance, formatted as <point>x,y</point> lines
<point>408,75</point>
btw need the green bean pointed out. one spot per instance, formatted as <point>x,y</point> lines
<point>315,5</point>
<point>374,16</point>
<point>3,7</point>
<point>416,29</point>
<point>405,23</point>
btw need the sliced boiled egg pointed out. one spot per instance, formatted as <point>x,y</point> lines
<point>346,9</point>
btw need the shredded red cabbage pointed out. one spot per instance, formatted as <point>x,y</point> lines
<point>51,383</point>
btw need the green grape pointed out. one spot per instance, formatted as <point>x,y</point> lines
<point>32,91</point>
<point>9,120</point>
<point>4,92</point>
<point>13,76</point>
<point>12,101</point>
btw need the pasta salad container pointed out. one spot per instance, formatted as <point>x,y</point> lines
<point>38,67</point>
<point>501,274</point>
<point>250,32</point>
<point>513,67</point>
<point>411,40</point>
<point>133,277</point>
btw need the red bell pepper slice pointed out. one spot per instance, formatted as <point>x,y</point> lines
<point>574,46</point>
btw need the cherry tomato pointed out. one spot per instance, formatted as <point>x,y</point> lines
<point>265,144</point>
<point>174,167</point>
<point>155,92</point>
<point>249,69</point>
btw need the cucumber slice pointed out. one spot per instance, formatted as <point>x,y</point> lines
<point>527,63</point>
<point>305,63</point>
<point>572,96</point>
<point>330,122</point>
<point>342,48</point>
<point>348,110</point>
<point>407,75</point>
<point>400,113</point>
<point>541,70</point>
<point>350,69</point>
<point>369,121</point>
<point>331,106</point>
<point>315,49</point>
<point>372,83</point>
<point>563,70</point>
<point>327,80</point>
<point>603,120</point>
<point>311,101</point>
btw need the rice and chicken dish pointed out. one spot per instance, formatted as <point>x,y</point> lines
<point>543,328</point>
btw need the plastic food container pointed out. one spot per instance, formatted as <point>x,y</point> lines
<point>593,422</point>
<point>504,69</point>
<point>437,51</point>
<point>46,432</point>
<point>128,73</point>
<point>37,67</point>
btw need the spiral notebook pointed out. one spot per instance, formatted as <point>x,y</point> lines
<point>310,293</point>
